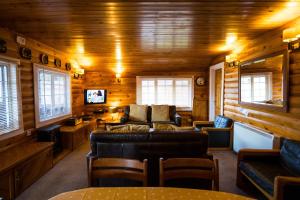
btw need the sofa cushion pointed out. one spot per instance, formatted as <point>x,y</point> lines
<point>163,126</point>
<point>263,172</point>
<point>290,156</point>
<point>139,128</point>
<point>118,129</point>
<point>160,113</point>
<point>138,113</point>
<point>222,122</point>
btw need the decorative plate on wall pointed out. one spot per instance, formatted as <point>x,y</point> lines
<point>44,58</point>
<point>57,62</point>
<point>68,66</point>
<point>25,53</point>
<point>3,47</point>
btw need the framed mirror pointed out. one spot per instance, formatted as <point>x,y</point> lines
<point>263,82</point>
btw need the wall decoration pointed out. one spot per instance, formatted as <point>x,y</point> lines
<point>57,62</point>
<point>68,66</point>
<point>44,58</point>
<point>25,53</point>
<point>3,47</point>
<point>200,81</point>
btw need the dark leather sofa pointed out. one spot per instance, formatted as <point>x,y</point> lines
<point>276,173</point>
<point>219,131</point>
<point>152,146</point>
<point>175,118</point>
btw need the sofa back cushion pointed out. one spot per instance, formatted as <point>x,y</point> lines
<point>160,113</point>
<point>138,113</point>
<point>222,122</point>
<point>290,156</point>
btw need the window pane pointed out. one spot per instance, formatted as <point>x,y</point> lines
<point>54,94</point>
<point>165,92</point>
<point>148,89</point>
<point>259,87</point>
<point>183,93</point>
<point>246,88</point>
<point>9,103</point>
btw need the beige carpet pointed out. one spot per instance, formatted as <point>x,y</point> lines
<point>71,174</point>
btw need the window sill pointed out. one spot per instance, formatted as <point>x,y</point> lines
<point>51,121</point>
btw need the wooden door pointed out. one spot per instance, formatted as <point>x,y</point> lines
<point>218,91</point>
<point>31,170</point>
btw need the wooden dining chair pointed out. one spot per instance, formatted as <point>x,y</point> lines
<point>117,168</point>
<point>189,168</point>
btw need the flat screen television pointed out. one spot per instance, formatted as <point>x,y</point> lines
<point>92,96</point>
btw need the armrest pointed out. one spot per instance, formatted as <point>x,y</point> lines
<point>284,185</point>
<point>200,124</point>
<point>244,154</point>
<point>209,129</point>
<point>177,119</point>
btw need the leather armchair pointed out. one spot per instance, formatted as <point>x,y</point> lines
<point>175,118</point>
<point>276,173</point>
<point>219,131</point>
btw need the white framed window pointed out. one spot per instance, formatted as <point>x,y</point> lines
<point>10,98</point>
<point>165,90</point>
<point>52,89</point>
<point>256,87</point>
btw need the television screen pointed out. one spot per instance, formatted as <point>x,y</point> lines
<point>94,96</point>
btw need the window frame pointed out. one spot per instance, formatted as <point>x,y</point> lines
<point>20,130</point>
<point>139,80</point>
<point>39,123</point>
<point>269,89</point>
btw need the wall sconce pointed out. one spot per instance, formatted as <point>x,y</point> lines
<point>79,73</point>
<point>292,36</point>
<point>118,77</point>
<point>231,60</point>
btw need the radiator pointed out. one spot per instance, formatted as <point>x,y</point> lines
<point>246,136</point>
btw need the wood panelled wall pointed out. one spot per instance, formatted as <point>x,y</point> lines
<point>280,123</point>
<point>26,71</point>
<point>124,93</point>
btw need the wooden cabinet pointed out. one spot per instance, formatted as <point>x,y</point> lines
<point>22,165</point>
<point>31,170</point>
<point>74,136</point>
<point>7,185</point>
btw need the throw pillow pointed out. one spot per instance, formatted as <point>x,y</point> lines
<point>163,127</point>
<point>118,129</point>
<point>138,113</point>
<point>139,128</point>
<point>160,113</point>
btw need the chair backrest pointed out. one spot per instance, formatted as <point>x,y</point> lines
<point>223,122</point>
<point>192,168</point>
<point>117,168</point>
<point>290,156</point>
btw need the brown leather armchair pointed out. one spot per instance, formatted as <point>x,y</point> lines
<point>276,173</point>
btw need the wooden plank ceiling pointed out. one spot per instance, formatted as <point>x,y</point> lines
<point>140,36</point>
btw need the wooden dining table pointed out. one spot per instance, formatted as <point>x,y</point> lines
<point>146,193</point>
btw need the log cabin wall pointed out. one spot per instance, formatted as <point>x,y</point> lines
<point>26,76</point>
<point>124,93</point>
<point>280,123</point>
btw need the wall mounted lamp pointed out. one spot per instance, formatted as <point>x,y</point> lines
<point>232,60</point>
<point>292,37</point>
<point>118,77</point>
<point>79,73</point>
